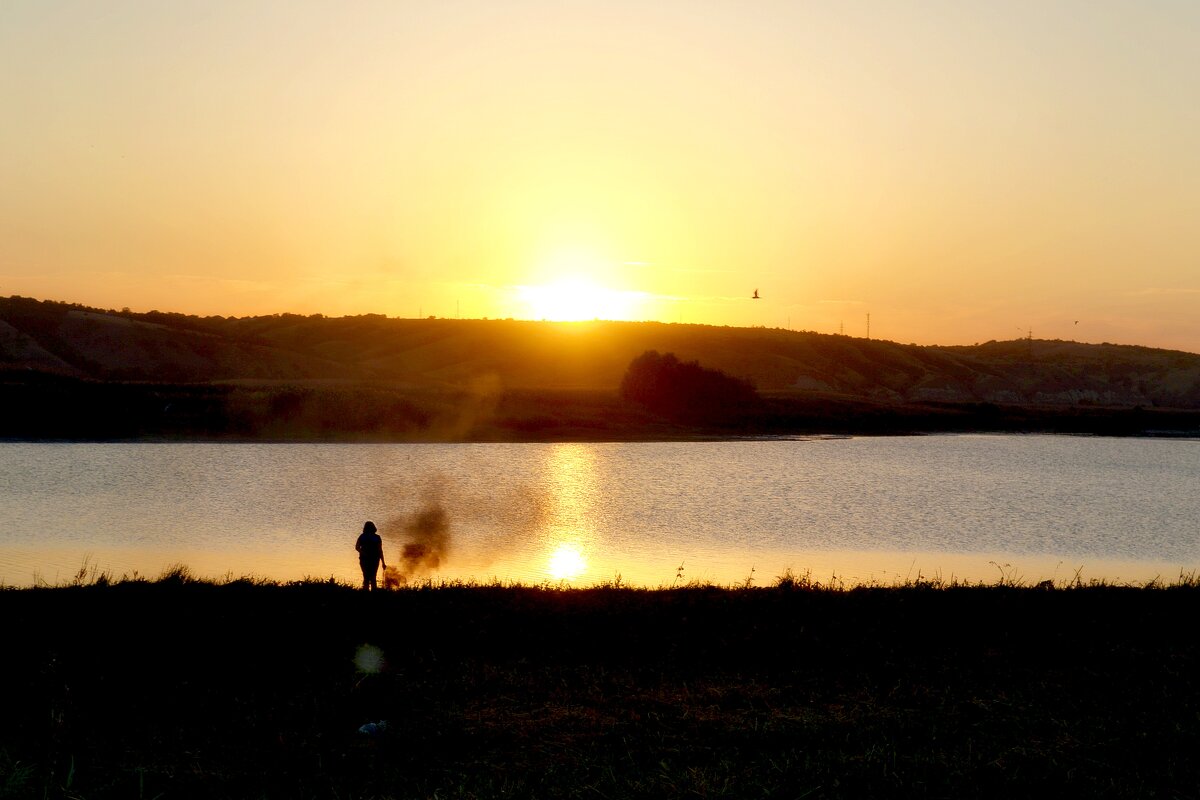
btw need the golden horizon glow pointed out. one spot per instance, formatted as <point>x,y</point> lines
<point>955,171</point>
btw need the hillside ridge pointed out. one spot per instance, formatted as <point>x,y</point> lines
<point>48,338</point>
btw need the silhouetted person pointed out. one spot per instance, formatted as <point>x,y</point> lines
<point>370,554</point>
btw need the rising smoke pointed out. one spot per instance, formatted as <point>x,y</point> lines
<point>423,540</point>
<point>497,522</point>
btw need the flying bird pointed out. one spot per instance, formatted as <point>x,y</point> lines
<point>755,295</point>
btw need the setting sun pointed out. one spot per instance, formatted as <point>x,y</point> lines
<point>575,299</point>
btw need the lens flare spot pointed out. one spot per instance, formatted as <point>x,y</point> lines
<point>566,562</point>
<point>369,659</point>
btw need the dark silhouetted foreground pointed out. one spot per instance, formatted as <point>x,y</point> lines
<point>180,689</point>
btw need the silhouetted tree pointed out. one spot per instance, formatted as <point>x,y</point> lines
<point>686,391</point>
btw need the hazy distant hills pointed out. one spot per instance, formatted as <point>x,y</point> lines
<point>42,339</point>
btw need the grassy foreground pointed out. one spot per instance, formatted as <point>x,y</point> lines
<point>180,688</point>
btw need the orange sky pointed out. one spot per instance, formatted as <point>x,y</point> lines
<point>960,170</point>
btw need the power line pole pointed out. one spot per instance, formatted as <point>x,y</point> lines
<point>868,327</point>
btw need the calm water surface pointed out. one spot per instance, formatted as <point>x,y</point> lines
<point>654,513</point>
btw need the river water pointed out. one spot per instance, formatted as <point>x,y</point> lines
<point>971,507</point>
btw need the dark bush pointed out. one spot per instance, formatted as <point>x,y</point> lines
<point>686,391</point>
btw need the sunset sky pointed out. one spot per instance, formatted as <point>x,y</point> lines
<point>960,170</point>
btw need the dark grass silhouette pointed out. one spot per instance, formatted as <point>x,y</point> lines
<point>184,688</point>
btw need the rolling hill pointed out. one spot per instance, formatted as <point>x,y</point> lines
<point>43,339</point>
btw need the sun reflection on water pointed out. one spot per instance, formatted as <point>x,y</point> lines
<point>569,534</point>
<point>566,562</point>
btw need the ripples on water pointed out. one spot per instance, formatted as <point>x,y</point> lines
<point>865,509</point>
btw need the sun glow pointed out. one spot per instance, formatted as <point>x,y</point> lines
<point>576,299</point>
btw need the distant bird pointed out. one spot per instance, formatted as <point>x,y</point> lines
<point>1076,322</point>
<point>755,295</point>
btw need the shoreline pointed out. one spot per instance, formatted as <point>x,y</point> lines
<point>91,577</point>
<point>1169,435</point>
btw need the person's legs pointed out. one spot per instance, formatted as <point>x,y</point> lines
<point>369,569</point>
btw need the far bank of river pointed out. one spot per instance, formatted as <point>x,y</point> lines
<point>355,412</point>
